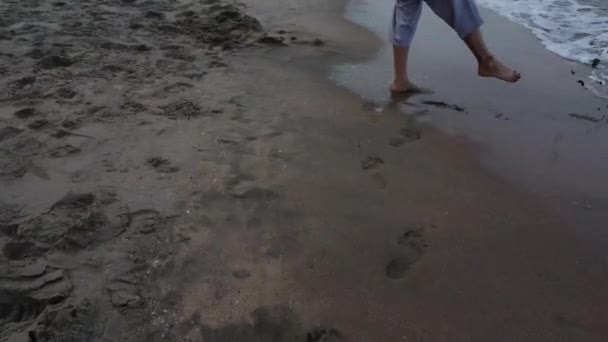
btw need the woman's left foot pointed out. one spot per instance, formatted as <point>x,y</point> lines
<point>492,67</point>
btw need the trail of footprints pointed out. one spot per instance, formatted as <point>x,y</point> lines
<point>373,162</point>
<point>412,244</point>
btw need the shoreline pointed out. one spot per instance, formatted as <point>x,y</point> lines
<point>243,196</point>
<point>585,226</point>
<point>542,107</point>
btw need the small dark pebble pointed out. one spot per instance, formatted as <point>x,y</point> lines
<point>595,63</point>
<point>293,38</point>
<point>581,82</point>
<point>572,72</point>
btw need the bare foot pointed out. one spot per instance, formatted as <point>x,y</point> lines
<point>403,87</point>
<point>492,67</point>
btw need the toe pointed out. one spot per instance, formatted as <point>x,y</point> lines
<point>517,75</point>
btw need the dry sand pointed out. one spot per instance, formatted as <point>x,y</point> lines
<point>168,176</point>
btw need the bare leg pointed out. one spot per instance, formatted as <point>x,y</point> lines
<point>489,66</point>
<point>402,83</point>
<point>463,16</point>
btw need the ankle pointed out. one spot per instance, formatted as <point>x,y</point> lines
<point>485,59</point>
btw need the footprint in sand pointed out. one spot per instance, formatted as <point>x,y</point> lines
<point>413,246</point>
<point>29,287</point>
<point>26,147</point>
<point>162,165</point>
<point>66,93</point>
<point>397,267</point>
<point>19,250</point>
<point>9,132</point>
<point>71,123</point>
<point>146,221</point>
<point>181,109</point>
<point>26,113</point>
<point>22,82</point>
<point>406,135</point>
<point>371,162</point>
<point>63,151</point>
<point>8,230</point>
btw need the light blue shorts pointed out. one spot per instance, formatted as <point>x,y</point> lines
<point>462,15</point>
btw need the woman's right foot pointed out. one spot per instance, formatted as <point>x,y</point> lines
<point>492,67</point>
<point>403,87</point>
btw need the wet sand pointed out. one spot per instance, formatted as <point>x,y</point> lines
<point>186,192</point>
<point>537,133</point>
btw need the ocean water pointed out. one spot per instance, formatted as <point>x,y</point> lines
<point>574,29</point>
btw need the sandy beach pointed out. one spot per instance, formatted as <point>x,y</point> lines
<point>236,171</point>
